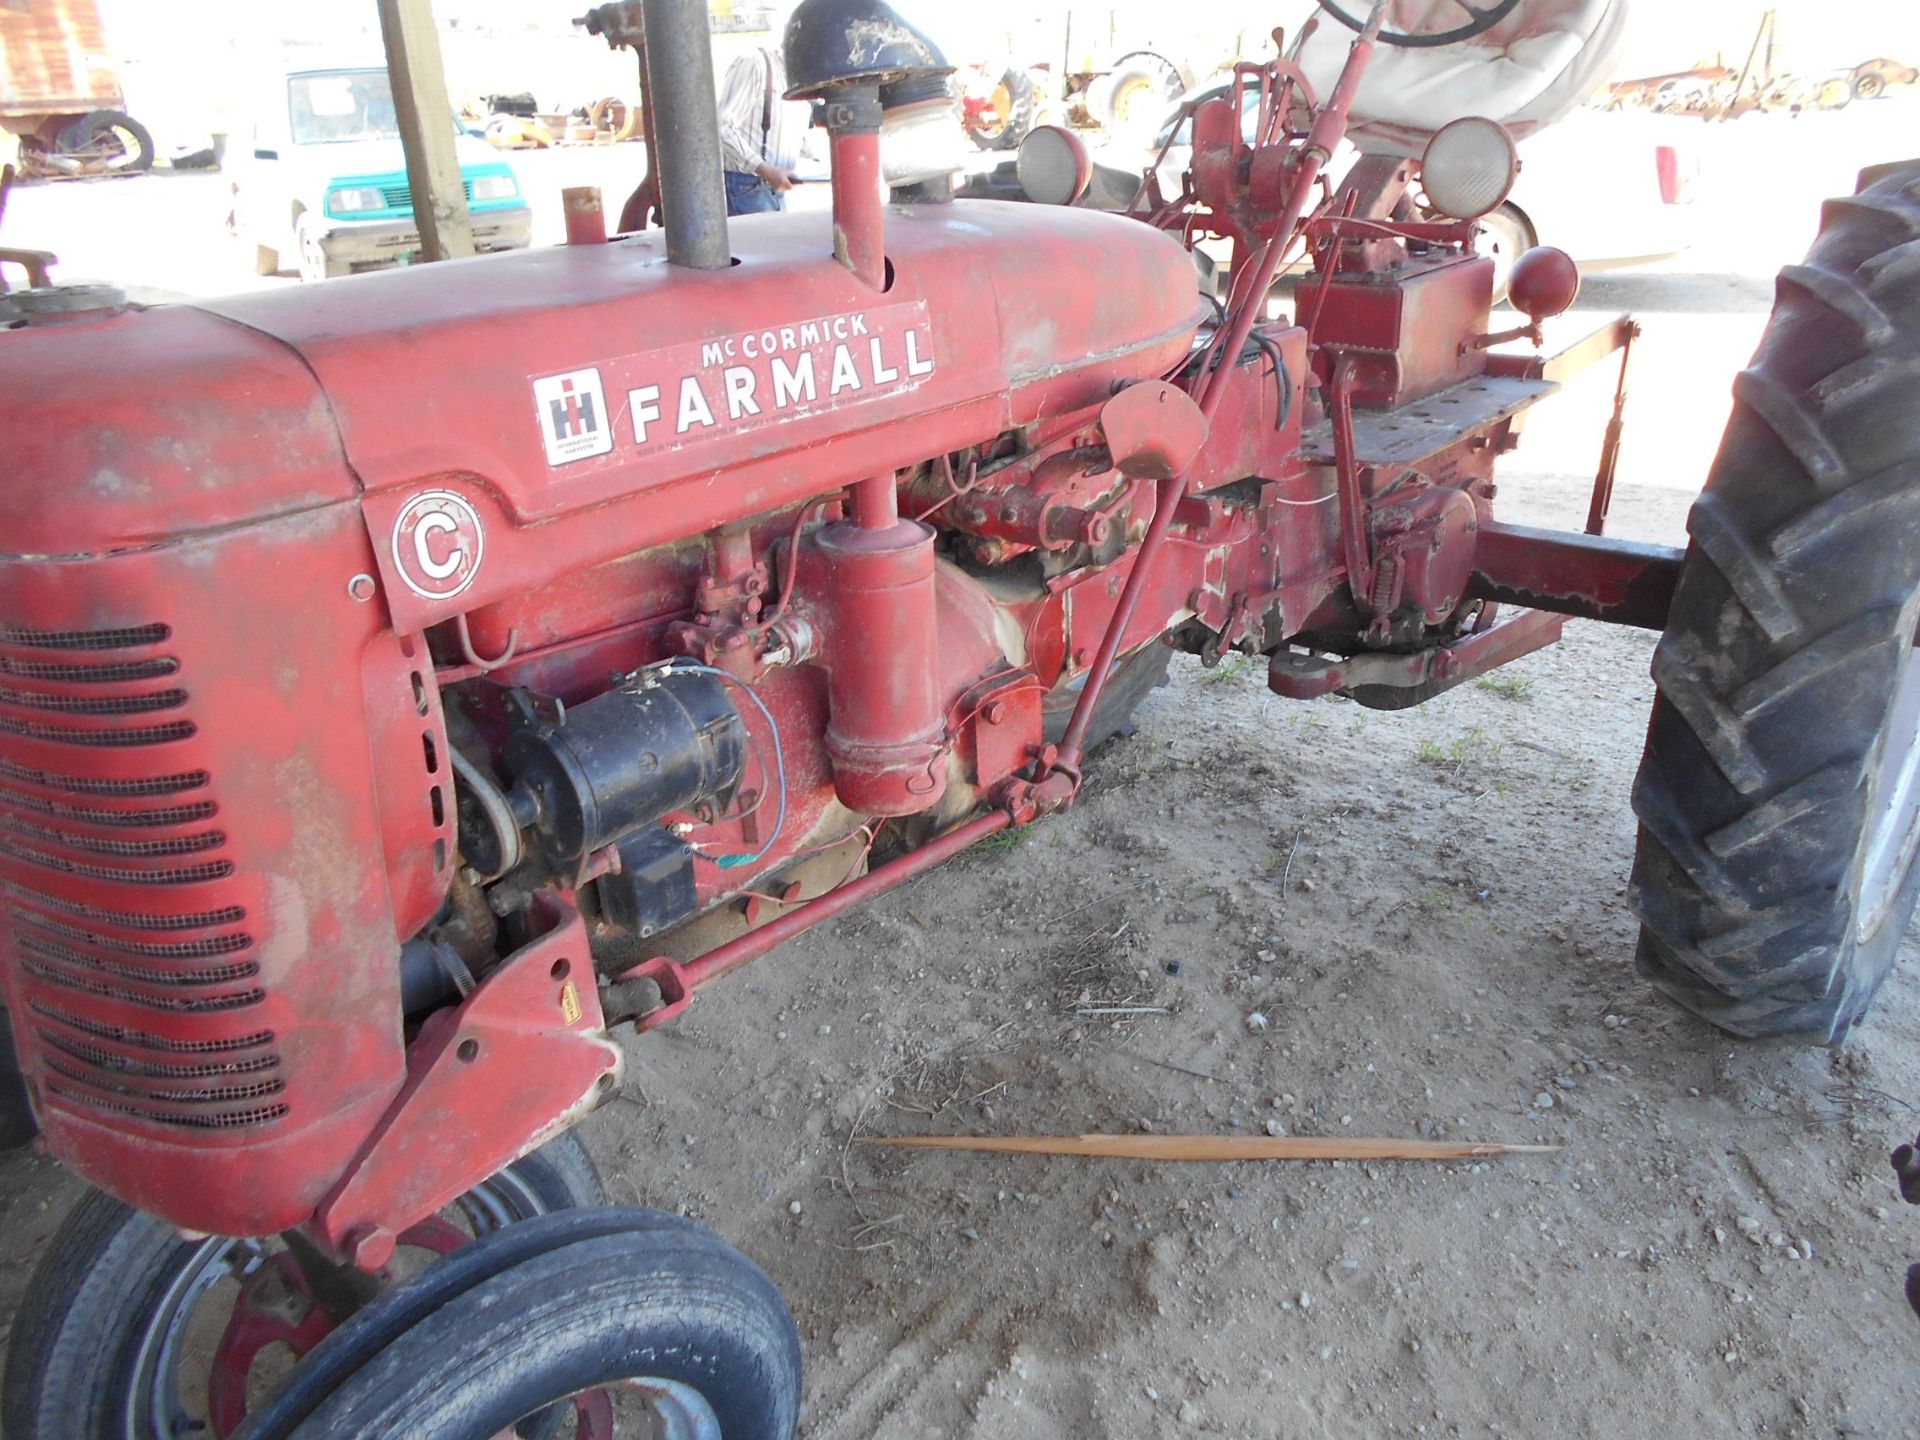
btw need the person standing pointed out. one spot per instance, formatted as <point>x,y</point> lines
<point>760,132</point>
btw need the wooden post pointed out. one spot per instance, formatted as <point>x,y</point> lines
<point>425,116</point>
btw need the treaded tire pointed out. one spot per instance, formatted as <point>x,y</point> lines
<point>73,1371</point>
<point>370,1331</point>
<point>1135,676</point>
<point>674,1304</point>
<point>1789,654</point>
<point>1022,104</point>
<point>1137,72</point>
<point>80,133</point>
<point>1510,235</point>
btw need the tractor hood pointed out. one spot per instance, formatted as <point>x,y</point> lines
<point>559,381</point>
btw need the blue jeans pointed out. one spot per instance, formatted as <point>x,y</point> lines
<point>750,195</point>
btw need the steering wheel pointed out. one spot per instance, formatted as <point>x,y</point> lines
<point>1485,17</point>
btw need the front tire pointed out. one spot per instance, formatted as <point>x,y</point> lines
<point>1779,798</point>
<point>671,1313</point>
<point>105,1340</point>
<point>1509,236</point>
<point>314,265</point>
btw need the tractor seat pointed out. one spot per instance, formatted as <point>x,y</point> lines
<point>1526,72</point>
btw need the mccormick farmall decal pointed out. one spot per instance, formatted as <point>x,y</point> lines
<point>664,400</point>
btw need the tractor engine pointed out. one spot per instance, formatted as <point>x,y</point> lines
<point>405,680</point>
<point>363,647</point>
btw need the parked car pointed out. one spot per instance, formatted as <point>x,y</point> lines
<point>320,180</point>
<point>1873,78</point>
<point>1611,189</point>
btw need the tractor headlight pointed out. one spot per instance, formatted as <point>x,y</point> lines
<point>358,198</point>
<point>1054,166</point>
<point>494,187</point>
<point>1469,168</point>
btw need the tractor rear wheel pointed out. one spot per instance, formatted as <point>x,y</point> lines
<point>1010,116</point>
<point>1135,675</point>
<point>128,1332</point>
<point>1779,798</point>
<point>1133,98</point>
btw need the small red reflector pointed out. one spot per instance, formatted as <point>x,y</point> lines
<point>1673,185</point>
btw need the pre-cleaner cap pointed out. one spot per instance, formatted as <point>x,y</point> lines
<point>830,43</point>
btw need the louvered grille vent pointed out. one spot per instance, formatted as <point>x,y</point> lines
<point>139,1003</point>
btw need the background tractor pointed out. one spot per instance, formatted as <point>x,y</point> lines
<point>406,684</point>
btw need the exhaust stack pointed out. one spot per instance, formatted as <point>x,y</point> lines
<point>684,114</point>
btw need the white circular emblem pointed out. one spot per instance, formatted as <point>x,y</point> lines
<point>437,544</point>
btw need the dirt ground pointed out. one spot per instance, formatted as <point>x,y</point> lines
<point>1429,911</point>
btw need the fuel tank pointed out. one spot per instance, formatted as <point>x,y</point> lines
<point>225,793</point>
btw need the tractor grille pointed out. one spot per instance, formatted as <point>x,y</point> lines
<point>135,971</point>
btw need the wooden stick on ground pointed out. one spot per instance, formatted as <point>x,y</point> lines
<point>1212,1147</point>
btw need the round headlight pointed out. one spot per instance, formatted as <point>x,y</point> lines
<point>1469,167</point>
<point>1053,166</point>
<point>352,201</point>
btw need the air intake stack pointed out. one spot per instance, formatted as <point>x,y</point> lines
<point>844,54</point>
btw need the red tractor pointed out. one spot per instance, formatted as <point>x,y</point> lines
<point>407,681</point>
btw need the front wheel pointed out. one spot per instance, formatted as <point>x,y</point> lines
<point>128,1332</point>
<point>314,264</point>
<point>1779,799</point>
<point>640,1324</point>
<point>1509,236</point>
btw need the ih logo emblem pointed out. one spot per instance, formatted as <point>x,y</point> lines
<point>437,544</point>
<point>573,416</point>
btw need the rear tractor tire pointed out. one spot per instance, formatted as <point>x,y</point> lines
<point>1779,798</point>
<point>1134,97</point>
<point>1134,677</point>
<point>1015,101</point>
